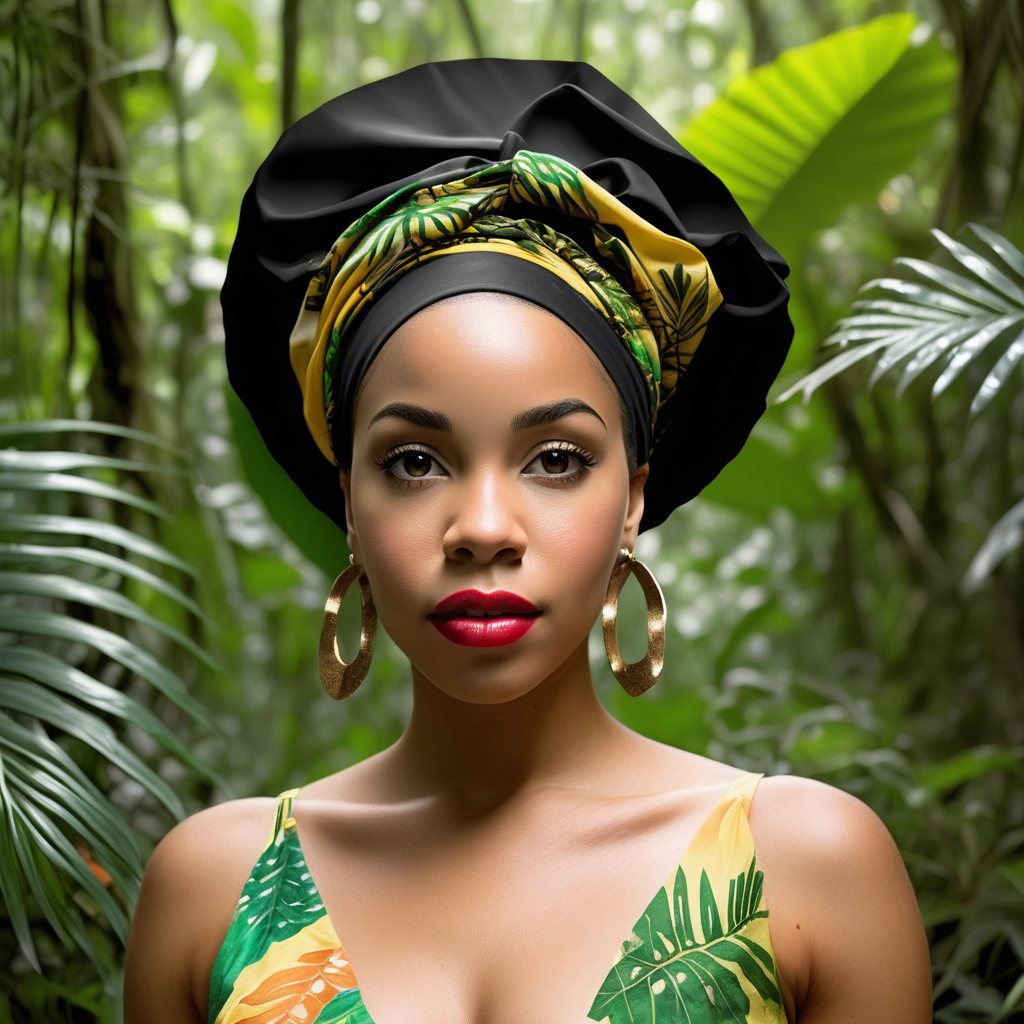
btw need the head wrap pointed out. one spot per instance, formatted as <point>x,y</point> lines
<point>544,162</point>
<point>656,291</point>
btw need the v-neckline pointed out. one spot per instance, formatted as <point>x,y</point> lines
<point>735,784</point>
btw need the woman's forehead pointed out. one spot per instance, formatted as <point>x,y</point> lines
<point>485,346</point>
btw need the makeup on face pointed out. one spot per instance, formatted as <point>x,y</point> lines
<point>472,618</point>
<point>489,469</point>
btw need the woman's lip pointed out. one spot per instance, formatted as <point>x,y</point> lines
<point>483,631</point>
<point>477,604</point>
<point>472,618</point>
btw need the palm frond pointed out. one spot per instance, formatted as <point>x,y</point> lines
<point>60,835</point>
<point>1005,537</point>
<point>949,317</point>
<point>946,316</point>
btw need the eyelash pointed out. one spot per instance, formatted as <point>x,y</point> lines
<point>385,462</point>
<point>586,460</point>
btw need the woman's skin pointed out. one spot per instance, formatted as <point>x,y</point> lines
<point>486,868</point>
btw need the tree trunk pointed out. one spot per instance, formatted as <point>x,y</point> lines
<point>289,60</point>
<point>108,290</point>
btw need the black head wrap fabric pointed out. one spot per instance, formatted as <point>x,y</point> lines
<point>430,124</point>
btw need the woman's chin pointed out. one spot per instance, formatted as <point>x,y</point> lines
<point>496,675</point>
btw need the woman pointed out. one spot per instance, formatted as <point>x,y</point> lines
<point>542,327</point>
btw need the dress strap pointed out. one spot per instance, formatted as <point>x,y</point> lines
<point>283,819</point>
<point>743,789</point>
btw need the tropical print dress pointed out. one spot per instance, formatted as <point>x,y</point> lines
<point>700,954</point>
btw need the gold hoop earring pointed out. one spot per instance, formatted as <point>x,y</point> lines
<point>338,679</point>
<point>643,674</point>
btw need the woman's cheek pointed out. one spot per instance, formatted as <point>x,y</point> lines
<point>401,552</point>
<point>574,548</point>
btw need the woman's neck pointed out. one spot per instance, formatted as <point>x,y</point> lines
<point>477,757</point>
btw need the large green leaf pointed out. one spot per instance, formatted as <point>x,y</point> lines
<point>278,901</point>
<point>938,317</point>
<point>61,462</point>
<point>671,970</point>
<point>56,625</point>
<point>30,699</point>
<point>944,317</point>
<point>67,588</point>
<point>320,539</point>
<point>74,526</point>
<point>34,428</point>
<point>824,125</point>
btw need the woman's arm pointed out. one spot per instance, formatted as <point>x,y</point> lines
<point>189,892</point>
<point>844,919</point>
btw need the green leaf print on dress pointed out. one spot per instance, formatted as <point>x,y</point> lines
<point>669,972</point>
<point>701,953</point>
<point>281,961</point>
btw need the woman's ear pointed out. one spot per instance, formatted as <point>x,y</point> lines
<point>635,508</point>
<point>350,530</point>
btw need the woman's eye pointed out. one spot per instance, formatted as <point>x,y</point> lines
<point>555,462</point>
<point>414,466</point>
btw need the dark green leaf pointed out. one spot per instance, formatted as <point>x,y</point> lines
<point>67,588</point>
<point>45,668</point>
<point>61,462</point>
<point>31,699</point>
<point>27,428</point>
<point>92,556</point>
<point>314,534</point>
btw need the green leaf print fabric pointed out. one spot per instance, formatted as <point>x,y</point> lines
<point>281,961</point>
<point>700,954</point>
<point>655,290</point>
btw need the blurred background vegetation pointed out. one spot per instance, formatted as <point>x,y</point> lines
<point>847,599</point>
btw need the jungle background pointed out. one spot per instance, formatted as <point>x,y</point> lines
<point>846,601</point>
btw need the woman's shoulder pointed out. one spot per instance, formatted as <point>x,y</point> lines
<point>844,919</point>
<point>217,830</point>
<point>210,855</point>
<point>819,842</point>
<point>817,825</point>
<point>191,886</point>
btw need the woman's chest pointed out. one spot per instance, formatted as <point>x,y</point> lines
<point>531,941</point>
<point>559,925</point>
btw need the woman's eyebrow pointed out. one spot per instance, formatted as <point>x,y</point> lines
<point>541,414</point>
<point>415,414</point>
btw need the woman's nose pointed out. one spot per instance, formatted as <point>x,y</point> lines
<point>485,527</point>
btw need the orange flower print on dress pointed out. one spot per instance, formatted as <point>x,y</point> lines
<point>299,994</point>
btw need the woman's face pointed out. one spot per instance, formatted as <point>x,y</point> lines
<point>488,464</point>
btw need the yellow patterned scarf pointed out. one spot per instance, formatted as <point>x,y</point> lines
<point>656,291</point>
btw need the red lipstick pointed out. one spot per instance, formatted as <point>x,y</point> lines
<point>475,619</point>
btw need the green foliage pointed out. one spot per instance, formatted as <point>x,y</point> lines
<point>62,841</point>
<point>945,316</point>
<point>319,538</point>
<point>824,125</point>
